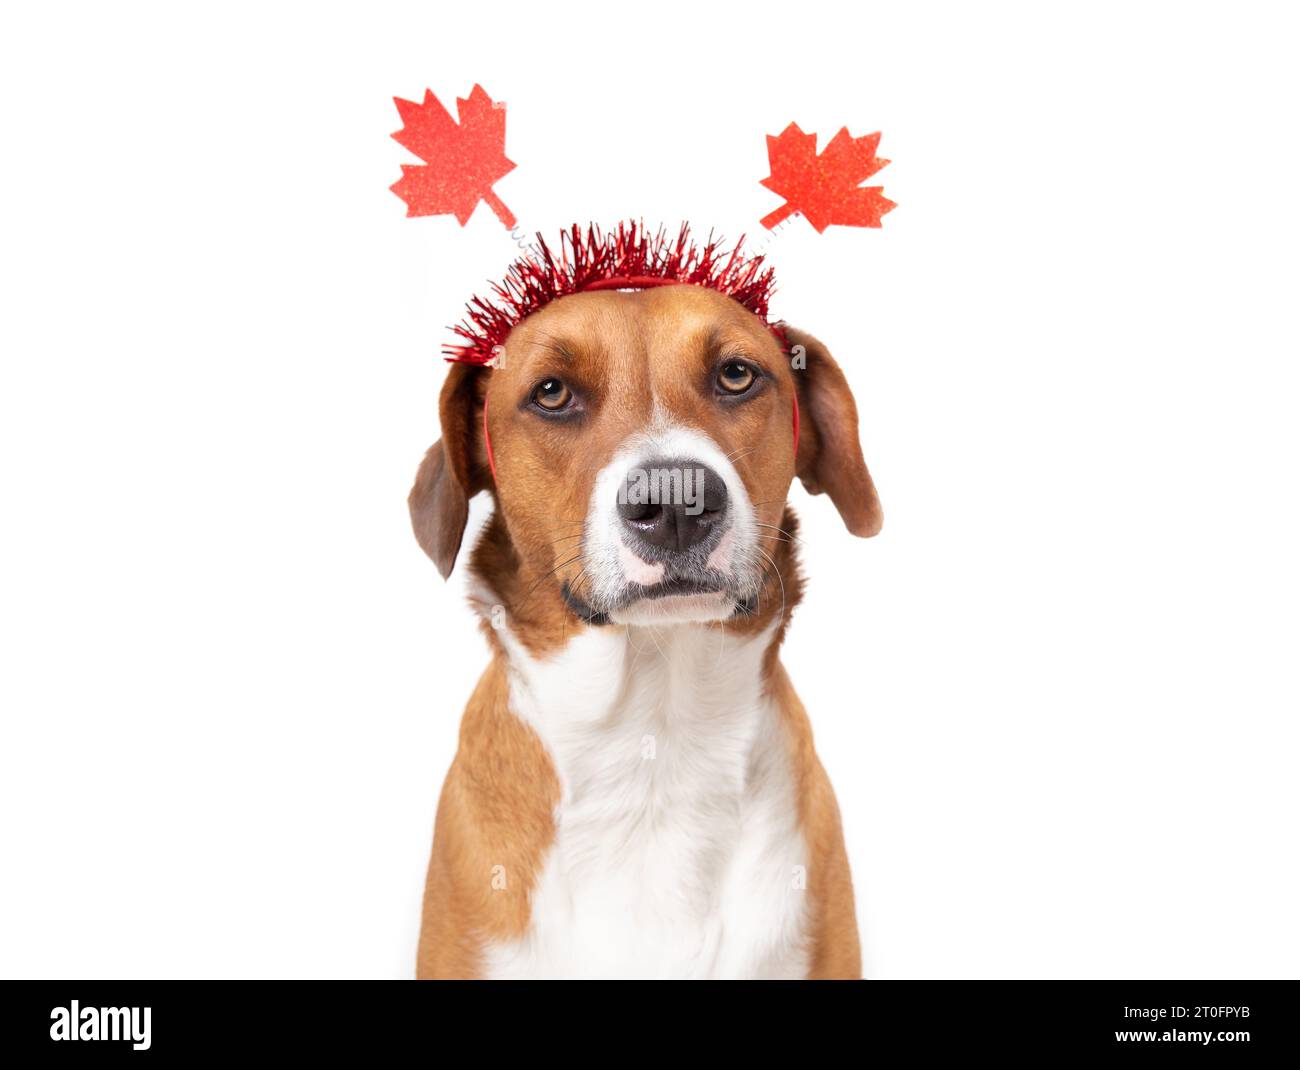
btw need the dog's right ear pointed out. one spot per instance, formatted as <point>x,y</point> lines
<point>452,471</point>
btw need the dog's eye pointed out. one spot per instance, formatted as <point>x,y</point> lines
<point>552,395</point>
<point>735,377</point>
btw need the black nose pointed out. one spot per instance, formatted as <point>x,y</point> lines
<point>671,505</point>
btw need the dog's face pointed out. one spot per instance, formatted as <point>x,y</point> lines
<point>644,445</point>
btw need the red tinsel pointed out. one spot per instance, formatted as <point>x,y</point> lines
<point>628,258</point>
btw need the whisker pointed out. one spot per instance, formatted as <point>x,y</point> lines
<point>572,560</point>
<point>778,577</point>
<point>577,580</point>
<point>574,588</point>
<point>653,639</point>
<point>777,527</point>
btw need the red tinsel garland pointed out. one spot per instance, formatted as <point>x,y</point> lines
<point>628,258</point>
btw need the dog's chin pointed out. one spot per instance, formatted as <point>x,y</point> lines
<point>702,607</point>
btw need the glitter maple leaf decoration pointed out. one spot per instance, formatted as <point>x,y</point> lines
<point>826,188</point>
<point>462,161</point>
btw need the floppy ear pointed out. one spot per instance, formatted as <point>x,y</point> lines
<point>451,472</point>
<point>830,457</point>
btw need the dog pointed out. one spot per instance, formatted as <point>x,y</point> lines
<point>635,792</point>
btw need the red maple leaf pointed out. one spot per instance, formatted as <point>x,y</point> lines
<point>825,188</point>
<point>461,162</point>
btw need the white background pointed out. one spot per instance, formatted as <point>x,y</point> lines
<point>1057,696</point>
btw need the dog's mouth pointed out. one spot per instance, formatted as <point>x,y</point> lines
<point>682,586</point>
<point>711,597</point>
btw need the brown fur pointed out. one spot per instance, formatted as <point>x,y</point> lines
<point>495,811</point>
<point>619,350</point>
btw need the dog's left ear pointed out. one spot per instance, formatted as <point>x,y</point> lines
<point>830,457</point>
<point>452,471</point>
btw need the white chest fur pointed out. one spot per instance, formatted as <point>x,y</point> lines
<point>678,851</point>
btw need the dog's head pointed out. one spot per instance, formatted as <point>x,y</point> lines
<point>641,445</point>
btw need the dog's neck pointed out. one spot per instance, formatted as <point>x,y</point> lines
<point>691,684</point>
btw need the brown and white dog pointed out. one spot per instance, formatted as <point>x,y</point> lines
<point>636,792</point>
